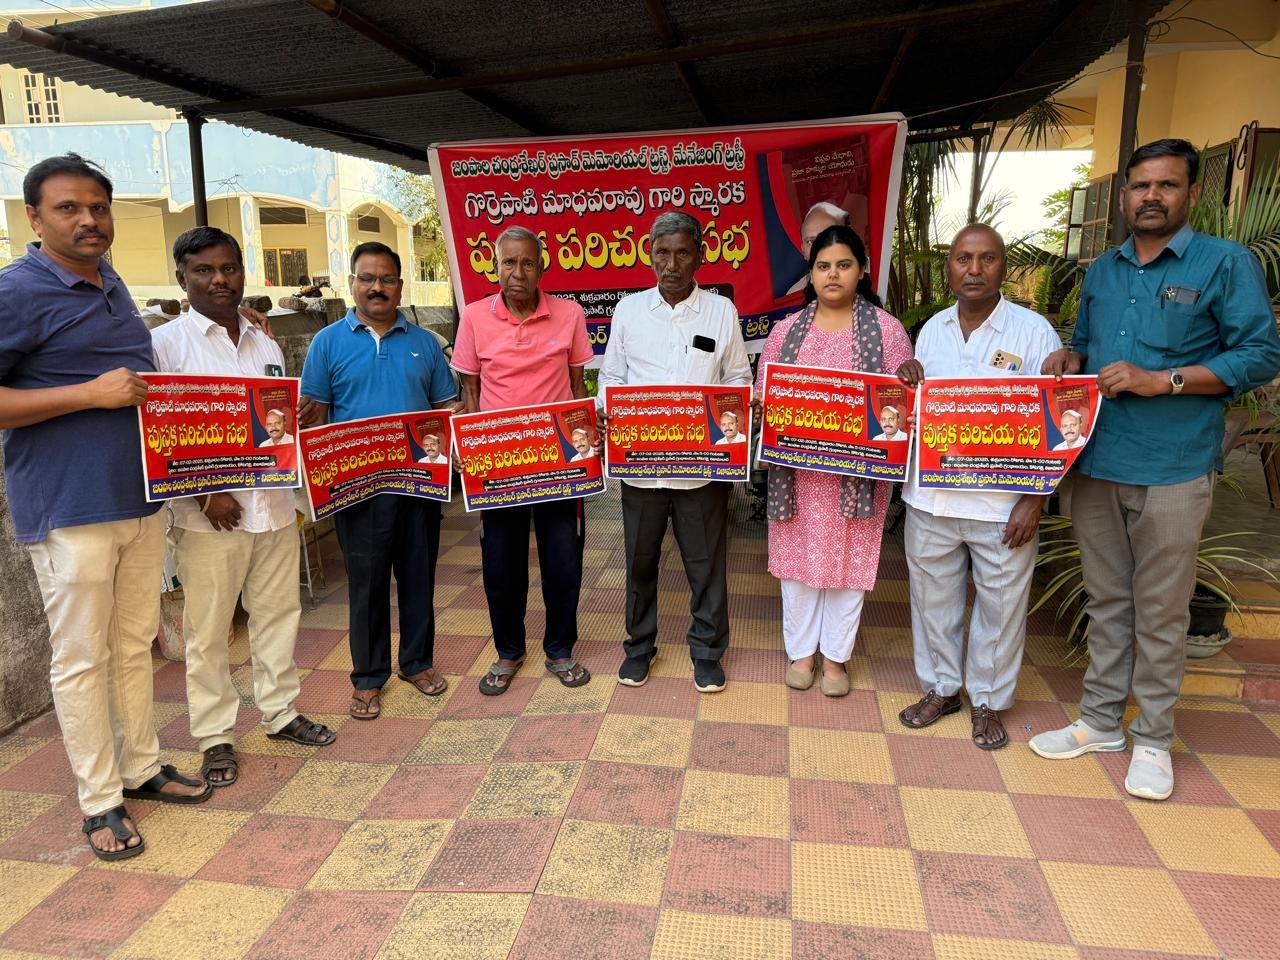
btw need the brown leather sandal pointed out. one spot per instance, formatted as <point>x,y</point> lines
<point>988,732</point>
<point>930,708</point>
<point>427,682</point>
<point>365,704</point>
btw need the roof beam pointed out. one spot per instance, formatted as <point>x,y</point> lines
<point>667,32</point>
<point>621,63</point>
<point>908,38</point>
<point>412,55</point>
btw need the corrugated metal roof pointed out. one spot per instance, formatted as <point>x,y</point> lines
<point>237,49</point>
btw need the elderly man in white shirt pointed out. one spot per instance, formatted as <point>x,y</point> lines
<point>231,545</point>
<point>676,333</point>
<point>990,534</point>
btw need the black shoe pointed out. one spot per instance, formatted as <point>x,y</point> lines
<point>708,676</point>
<point>635,670</point>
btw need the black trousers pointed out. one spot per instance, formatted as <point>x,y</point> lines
<point>385,535</point>
<point>504,545</point>
<point>700,520</point>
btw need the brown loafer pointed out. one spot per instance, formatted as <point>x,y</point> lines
<point>930,708</point>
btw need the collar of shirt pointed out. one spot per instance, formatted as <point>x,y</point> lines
<point>996,319</point>
<point>206,325</point>
<point>1177,245</point>
<point>109,276</point>
<point>498,307</point>
<point>354,323</point>
<point>693,301</point>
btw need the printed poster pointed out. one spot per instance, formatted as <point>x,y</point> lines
<point>836,421</point>
<point>683,431</point>
<point>1014,434</point>
<point>530,454</point>
<point>349,462</point>
<point>207,434</point>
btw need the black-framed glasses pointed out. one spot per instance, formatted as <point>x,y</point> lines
<point>368,279</point>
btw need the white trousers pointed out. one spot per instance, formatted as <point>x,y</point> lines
<point>941,553</point>
<point>814,619</point>
<point>101,588</point>
<point>216,569</point>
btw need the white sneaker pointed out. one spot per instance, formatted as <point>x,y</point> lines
<point>1075,740</point>
<point>1150,774</point>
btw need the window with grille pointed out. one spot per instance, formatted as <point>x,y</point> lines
<point>1089,220</point>
<point>1215,171</point>
<point>369,224</point>
<point>40,94</point>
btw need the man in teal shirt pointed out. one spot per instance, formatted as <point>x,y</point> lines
<point>1174,324</point>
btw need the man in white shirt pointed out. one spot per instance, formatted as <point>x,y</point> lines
<point>229,545</point>
<point>431,450</point>
<point>1072,436</point>
<point>889,420</point>
<point>676,333</point>
<point>730,428</point>
<point>277,434</point>
<point>582,443</point>
<point>991,534</point>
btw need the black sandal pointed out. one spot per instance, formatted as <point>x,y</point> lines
<point>114,819</point>
<point>303,731</point>
<point>153,789</point>
<point>220,759</point>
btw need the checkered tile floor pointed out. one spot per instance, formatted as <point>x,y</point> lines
<point>628,823</point>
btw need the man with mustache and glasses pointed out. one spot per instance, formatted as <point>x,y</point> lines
<point>953,535</point>
<point>1174,324</point>
<point>676,333</point>
<point>71,347</point>
<point>237,545</point>
<point>369,363</point>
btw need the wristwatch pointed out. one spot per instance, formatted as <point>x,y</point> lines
<point>1178,381</point>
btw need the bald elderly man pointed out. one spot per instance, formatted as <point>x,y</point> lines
<point>991,535</point>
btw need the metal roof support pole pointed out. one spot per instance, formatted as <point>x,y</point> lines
<point>981,147</point>
<point>1129,117</point>
<point>194,124</point>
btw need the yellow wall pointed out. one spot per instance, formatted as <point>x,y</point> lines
<point>79,104</point>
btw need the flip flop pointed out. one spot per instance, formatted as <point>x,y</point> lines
<point>427,682</point>
<point>558,670</point>
<point>152,789</point>
<point>114,819</point>
<point>365,704</point>
<point>489,685</point>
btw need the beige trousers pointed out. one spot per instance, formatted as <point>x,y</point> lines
<point>101,588</point>
<point>217,568</point>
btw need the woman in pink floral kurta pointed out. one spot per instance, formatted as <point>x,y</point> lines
<point>825,557</point>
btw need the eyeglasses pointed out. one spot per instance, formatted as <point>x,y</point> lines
<point>368,279</point>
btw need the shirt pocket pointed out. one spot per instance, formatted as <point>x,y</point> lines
<point>701,366</point>
<point>1171,335</point>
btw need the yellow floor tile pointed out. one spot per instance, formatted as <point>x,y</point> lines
<point>1213,704</point>
<point>181,840</point>
<point>892,702</point>
<point>325,616</point>
<point>963,821</point>
<point>24,955</point>
<point>459,926</point>
<point>1032,685</point>
<point>852,756</point>
<point>1206,839</point>
<point>446,593</point>
<point>737,804</point>
<point>462,741</point>
<point>607,861</point>
<point>511,790</point>
<point>892,589</point>
<point>1251,624</point>
<point>19,809</point>
<point>381,855</point>
<point>986,948</point>
<point>18,747</point>
<point>464,622</point>
<point>1254,782</point>
<point>257,742</point>
<point>24,885</point>
<point>610,578</point>
<point>637,739</point>
<point>886,642</point>
<point>860,676</point>
<point>858,886</point>
<point>1024,772</point>
<point>672,661</point>
<point>746,703</point>
<point>164,713</point>
<point>1272,720</point>
<point>759,584</point>
<point>480,665</point>
<point>701,936</point>
<point>339,658</point>
<point>330,789</point>
<point>400,699</point>
<point>1133,908</point>
<point>552,696</point>
<point>462,556</point>
<point>205,921</point>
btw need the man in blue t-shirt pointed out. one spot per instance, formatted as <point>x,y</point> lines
<point>71,346</point>
<point>1173,323</point>
<point>370,363</point>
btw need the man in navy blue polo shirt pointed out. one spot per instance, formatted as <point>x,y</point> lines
<point>370,363</point>
<point>1174,323</point>
<point>71,346</point>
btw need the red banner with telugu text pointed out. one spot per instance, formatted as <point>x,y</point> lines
<point>678,432</point>
<point>1013,434</point>
<point>592,201</point>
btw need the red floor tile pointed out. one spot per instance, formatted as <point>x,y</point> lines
<point>748,665</point>
<point>1084,830</point>
<point>1220,731</point>
<point>740,748</point>
<point>314,644</point>
<point>53,837</point>
<point>45,771</point>
<point>468,703</point>
<point>825,941</point>
<point>1268,821</point>
<point>325,691</point>
<point>988,897</point>
<point>628,793</point>
<point>1192,781</point>
<point>1027,718</point>
<point>739,876</point>
<point>1067,683</point>
<point>333,925</point>
<point>428,792</point>
<point>1239,913</point>
<point>169,683</point>
<point>867,814</point>
<point>1111,953</point>
<point>492,856</point>
<point>385,740</point>
<point>561,736</point>
<point>886,613</point>
<point>942,762</point>
<point>860,710</point>
<point>91,914</point>
<point>556,928</point>
<point>895,673</point>
<point>260,779</point>
<point>273,851</point>
<point>659,697</point>
<point>455,653</point>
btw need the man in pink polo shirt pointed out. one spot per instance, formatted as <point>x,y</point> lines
<point>519,347</point>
